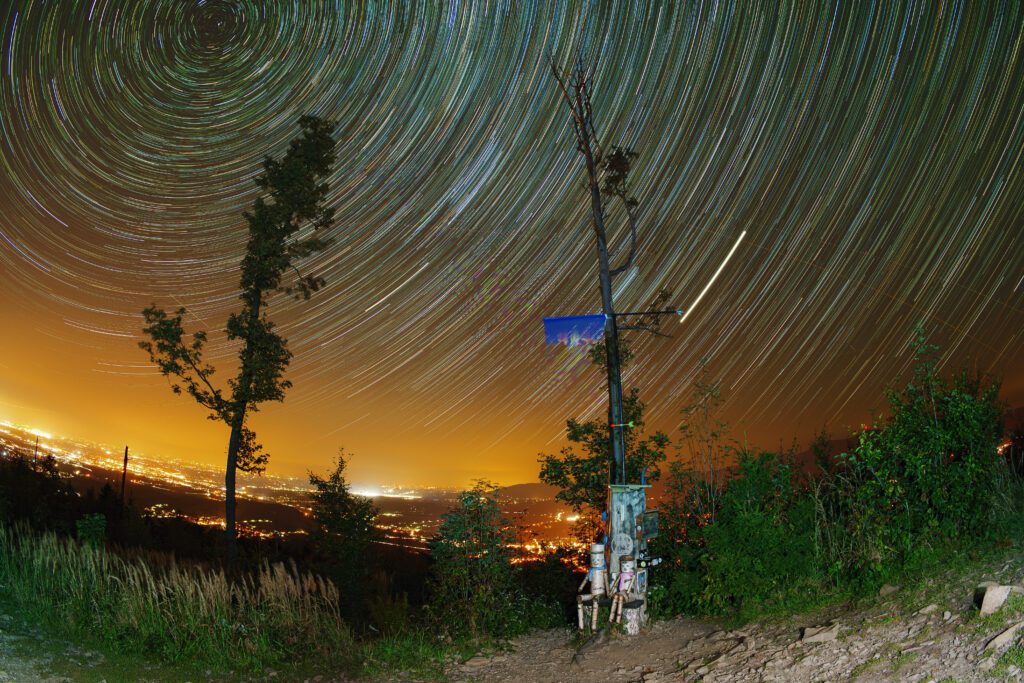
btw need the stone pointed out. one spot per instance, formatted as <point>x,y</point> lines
<point>989,596</point>
<point>929,609</point>
<point>1005,638</point>
<point>887,589</point>
<point>820,634</point>
<point>947,615</point>
<point>479,660</point>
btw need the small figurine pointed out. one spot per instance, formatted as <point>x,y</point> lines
<point>623,587</point>
<point>597,575</point>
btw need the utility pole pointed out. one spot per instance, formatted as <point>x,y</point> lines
<point>124,474</point>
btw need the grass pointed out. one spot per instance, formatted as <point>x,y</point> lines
<point>26,653</point>
<point>902,659</point>
<point>170,613</point>
<point>413,653</point>
<point>1014,657</point>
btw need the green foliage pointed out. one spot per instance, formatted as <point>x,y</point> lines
<point>173,613</point>
<point>930,472</point>
<point>414,653</point>
<point>475,589</point>
<point>927,481</point>
<point>582,477</point>
<point>92,529</point>
<point>296,189</point>
<point>761,545</point>
<point>344,531</point>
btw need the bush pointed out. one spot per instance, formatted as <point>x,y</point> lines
<point>343,534</point>
<point>927,480</point>
<point>930,474</point>
<point>757,549</point>
<point>760,548</point>
<point>476,593</point>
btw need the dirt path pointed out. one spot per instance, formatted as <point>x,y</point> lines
<point>933,633</point>
<point>17,660</point>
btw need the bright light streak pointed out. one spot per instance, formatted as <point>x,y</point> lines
<point>388,295</point>
<point>712,280</point>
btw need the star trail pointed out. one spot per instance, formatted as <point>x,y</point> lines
<point>870,151</point>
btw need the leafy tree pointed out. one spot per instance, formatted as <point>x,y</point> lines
<point>344,531</point>
<point>475,592</point>
<point>582,477</point>
<point>32,490</point>
<point>282,226</point>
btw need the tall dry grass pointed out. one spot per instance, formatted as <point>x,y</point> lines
<point>175,612</point>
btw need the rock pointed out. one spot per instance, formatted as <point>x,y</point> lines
<point>929,609</point>
<point>989,596</point>
<point>479,660</point>
<point>1005,638</point>
<point>947,615</point>
<point>820,634</point>
<point>887,589</point>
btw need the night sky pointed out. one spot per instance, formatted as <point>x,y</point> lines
<point>871,150</point>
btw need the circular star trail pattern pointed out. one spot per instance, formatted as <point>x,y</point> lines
<point>872,152</point>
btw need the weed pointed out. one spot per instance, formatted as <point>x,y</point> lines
<point>902,659</point>
<point>175,613</point>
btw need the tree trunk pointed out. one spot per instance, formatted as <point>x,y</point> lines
<point>229,486</point>
<point>241,402</point>
<point>611,330</point>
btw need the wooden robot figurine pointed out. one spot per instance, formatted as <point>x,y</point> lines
<point>597,576</point>
<point>624,587</point>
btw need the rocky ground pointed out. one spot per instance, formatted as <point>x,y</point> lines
<point>934,632</point>
<point>23,659</point>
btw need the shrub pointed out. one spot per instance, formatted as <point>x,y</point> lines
<point>929,477</point>
<point>475,589</point>
<point>343,533</point>
<point>92,529</point>
<point>930,473</point>
<point>760,548</point>
<point>582,477</point>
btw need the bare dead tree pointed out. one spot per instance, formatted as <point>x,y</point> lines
<point>607,181</point>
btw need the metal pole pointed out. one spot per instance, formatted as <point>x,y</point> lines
<point>124,474</point>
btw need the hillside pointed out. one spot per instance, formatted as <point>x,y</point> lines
<point>928,632</point>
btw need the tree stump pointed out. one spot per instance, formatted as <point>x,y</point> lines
<point>634,614</point>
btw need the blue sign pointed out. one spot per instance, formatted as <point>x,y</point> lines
<point>574,330</point>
